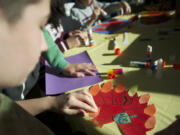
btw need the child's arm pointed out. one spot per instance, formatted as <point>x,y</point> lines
<point>79,70</point>
<point>54,56</point>
<point>94,17</point>
<point>77,38</point>
<point>56,59</point>
<point>74,103</point>
<point>72,39</point>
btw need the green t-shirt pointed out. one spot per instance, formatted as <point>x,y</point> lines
<point>53,55</point>
<point>16,121</point>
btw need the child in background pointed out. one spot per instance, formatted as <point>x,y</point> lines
<point>56,59</point>
<point>53,55</point>
<point>64,40</point>
<point>84,13</point>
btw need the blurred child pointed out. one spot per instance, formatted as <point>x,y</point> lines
<point>23,54</point>
<point>64,40</point>
<point>19,53</point>
<point>84,13</point>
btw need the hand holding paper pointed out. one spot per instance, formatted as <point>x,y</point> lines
<point>56,83</point>
<point>76,38</point>
<point>79,70</point>
<point>78,102</point>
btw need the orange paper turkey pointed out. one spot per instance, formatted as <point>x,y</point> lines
<point>132,114</point>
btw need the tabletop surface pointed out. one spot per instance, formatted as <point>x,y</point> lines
<point>164,90</point>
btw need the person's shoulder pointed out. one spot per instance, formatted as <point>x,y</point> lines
<point>69,5</point>
<point>75,11</point>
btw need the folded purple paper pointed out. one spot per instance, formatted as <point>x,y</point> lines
<point>58,83</point>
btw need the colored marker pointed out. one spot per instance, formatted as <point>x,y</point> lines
<point>91,41</point>
<point>153,67</point>
<point>118,71</point>
<point>159,63</point>
<point>110,71</point>
<point>111,76</point>
<point>149,53</point>
<point>87,42</point>
<point>163,64</point>
<point>115,71</point>
<point>90,33</point>
<point>149,49</point>
<point>139,64</point>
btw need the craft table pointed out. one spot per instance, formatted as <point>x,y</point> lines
<point>164,90</point>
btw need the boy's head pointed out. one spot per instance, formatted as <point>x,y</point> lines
<point>86,2</point>
<point>21,38</point>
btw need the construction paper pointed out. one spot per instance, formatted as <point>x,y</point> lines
<point>111,26</point>
<point>130,113</point>
<point>58,83</point>
<point>154,17</point>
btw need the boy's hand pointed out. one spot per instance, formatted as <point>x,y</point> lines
<point>79,70</point>
<point>76,38</point>
<point>73,41</point>
<point>78,33</point>
<point>78,102</point>
<point>126,7</point>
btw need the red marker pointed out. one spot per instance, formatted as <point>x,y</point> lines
<point>111,76</point>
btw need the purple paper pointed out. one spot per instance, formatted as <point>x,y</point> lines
<point>57,83</point>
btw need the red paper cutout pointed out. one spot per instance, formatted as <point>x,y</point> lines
<point>131,114</point>
<point>144,98</point>
<point>150,110</point>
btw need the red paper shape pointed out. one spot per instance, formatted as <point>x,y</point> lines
<point>132,114</point>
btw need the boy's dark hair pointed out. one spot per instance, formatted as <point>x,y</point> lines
<point>57,11</point>
<point>12,9</point>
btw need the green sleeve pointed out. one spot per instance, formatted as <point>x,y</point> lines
<point>53,55</point>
